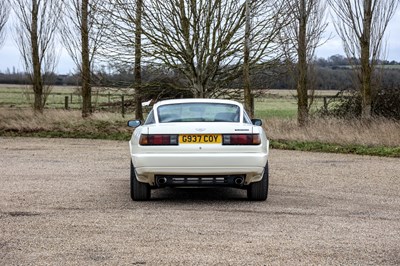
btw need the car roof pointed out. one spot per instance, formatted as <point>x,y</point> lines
<point>196,100</point>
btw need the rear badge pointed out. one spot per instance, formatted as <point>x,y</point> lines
<point>239,129</point>
<point>200,129</point>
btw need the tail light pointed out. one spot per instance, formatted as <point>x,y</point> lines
<point>158,139</point>
<point>241,139</point>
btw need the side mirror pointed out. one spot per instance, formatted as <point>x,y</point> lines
<point>256,122</point>
<point>134,123</point>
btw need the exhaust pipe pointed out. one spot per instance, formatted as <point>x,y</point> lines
<point>161,181</point>
<point>239,180</point>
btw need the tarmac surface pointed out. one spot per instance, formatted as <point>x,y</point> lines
<point>67,202</point>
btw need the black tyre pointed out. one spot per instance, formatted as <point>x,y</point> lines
<point>258,191</point>
<point>139,191</point>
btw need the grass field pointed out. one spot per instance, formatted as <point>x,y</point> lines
<point>283,103</point>
<point>275,107</point>
<point>274,103</point>
<point>19,96</point>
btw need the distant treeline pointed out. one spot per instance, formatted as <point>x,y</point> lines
<point>334,73</point>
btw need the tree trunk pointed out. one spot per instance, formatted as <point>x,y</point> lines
<point>86,75</point>
<point>248,96</point>
<point>138,57</point>
<point>366,69</point>
<point>302,96</point>
<point>366,96</point>
<point>37,76</point>
<point>198,90</point>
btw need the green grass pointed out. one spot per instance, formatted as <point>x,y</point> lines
<point>275,107</point>
<point>282,107</point>
<point>275,104</point>
<point>315,146</point>
<point>69,134</point>
<point>21,96</point>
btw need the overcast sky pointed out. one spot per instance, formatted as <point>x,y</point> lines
<point>10,57</point>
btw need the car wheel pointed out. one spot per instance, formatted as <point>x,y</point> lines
<point>139,191</point>
<point>258,191</point>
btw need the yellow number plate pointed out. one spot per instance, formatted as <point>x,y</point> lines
<point>203,139</point>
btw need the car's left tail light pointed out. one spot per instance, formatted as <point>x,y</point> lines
<point>241,139</point>
<point>158,139</point>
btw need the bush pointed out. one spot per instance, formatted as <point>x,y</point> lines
<point>345,105</point>
<point>348,104</point>
<point>387,103</point>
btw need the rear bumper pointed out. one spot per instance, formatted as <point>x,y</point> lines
<point>251,165</point>
<point>177,180</point>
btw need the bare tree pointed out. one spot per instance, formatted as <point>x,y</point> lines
<point>361,25</point>
<point>302,36</point>
<point>138,58</point>
<point>121,35</point>
<point>204,39</point>
<point>123,44</point>
<point>4,13</point>
<point>82,34</point>
<point>35,29</point>
<point>248,96</point>
<point>85,69</point>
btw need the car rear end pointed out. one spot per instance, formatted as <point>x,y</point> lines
<point>199,143</point>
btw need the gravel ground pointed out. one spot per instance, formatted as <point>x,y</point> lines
<point>66,202</point>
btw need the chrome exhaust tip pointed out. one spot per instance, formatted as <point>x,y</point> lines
<point>161,181</point>
<point>239,181</point>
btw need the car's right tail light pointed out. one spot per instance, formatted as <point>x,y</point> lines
<point>241,139</point>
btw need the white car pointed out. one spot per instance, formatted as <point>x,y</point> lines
<point>198,142</point>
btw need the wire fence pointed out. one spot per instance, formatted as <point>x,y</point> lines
<point>118,101</point>
<point>112,102</point>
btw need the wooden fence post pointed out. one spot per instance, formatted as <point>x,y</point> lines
<point>122,106</point>
<point>66,103</point>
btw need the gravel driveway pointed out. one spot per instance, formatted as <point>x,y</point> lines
<point>66,202</point>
